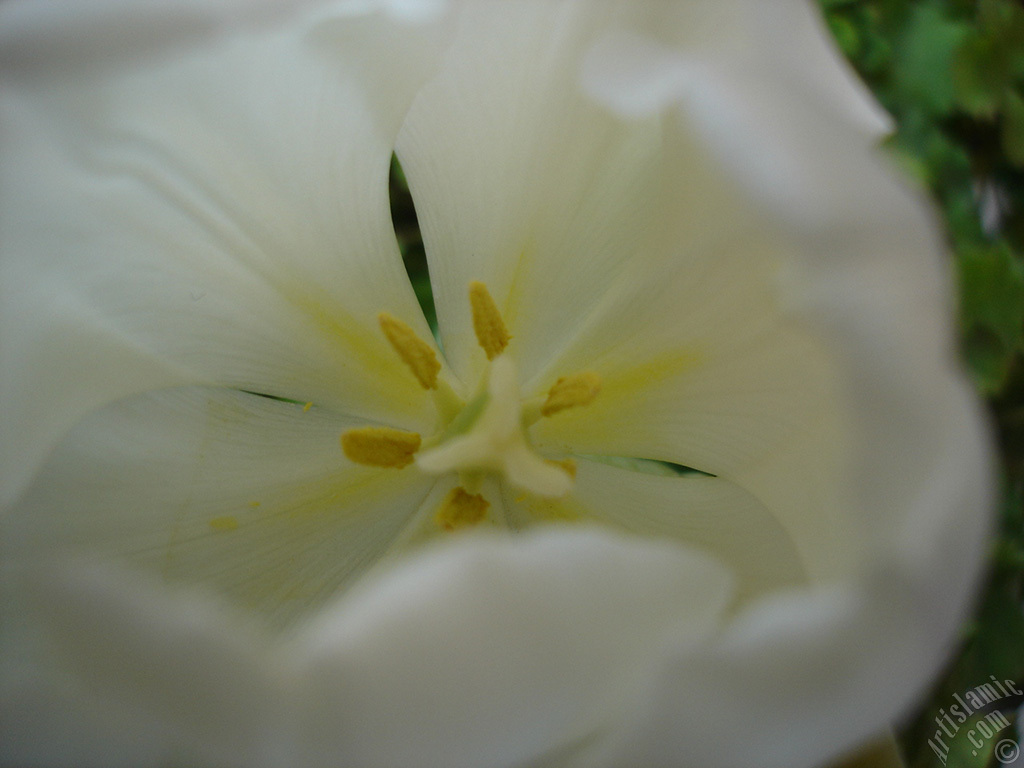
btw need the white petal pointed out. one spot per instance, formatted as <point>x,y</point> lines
<point>738,114</point>
<point>884,487</point>
<point>520,181</point>
<point>641,70</point>
<point>623,246</point>
<point>700,365</point>
<point>767,112</point>
<point>46,718</point>
<point>497,651</point>
<point>525,183</point>
<point>811,674</point>
<point>709,369</point>
<point>63,35</point>
<point>645,263</point>
<point>705,513</point>
<point>415,669</point>
<point>123,672</point>
<point>910,485</point>
<point>812,58</point>
<point>242,495</point>
<point>220,215</point>
<point>856,645</point>
<point>796,308</point>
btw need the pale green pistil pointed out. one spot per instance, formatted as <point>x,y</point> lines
<point>491,439</point>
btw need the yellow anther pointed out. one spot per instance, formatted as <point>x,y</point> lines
<point>570,391</point>
<point>566,464</point>
<point>380,446</point>
<point>415,352</point>
<point>461,510</point>
<point>226,523</point>
<point>490,329</point>
<point>306,407</point>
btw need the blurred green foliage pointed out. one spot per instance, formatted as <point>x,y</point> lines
<point>951,72</point>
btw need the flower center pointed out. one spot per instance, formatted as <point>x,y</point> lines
<point>489,434</point>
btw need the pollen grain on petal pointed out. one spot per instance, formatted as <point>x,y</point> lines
<point>490,329</point>
<point>461,510</point>
<point>380,446</point>
<point>415,352</point>
<point>570,391</point>
<point>568,465</point>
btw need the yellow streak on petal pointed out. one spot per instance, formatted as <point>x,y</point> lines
<point>490,329</point>
<point>626,391</point>
<point>523,274</point>
<point>226,523</point>
<point>635,378</point>
<point>415,352</point>
<point>380,446</point>
<point>283,586</point>
<point>622,387</point>
<point>571,391</point>
<point>461,510</point>
<point>352,345</point>
<point>564,510</point>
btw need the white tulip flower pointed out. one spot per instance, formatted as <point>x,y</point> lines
<point>689,477</point>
